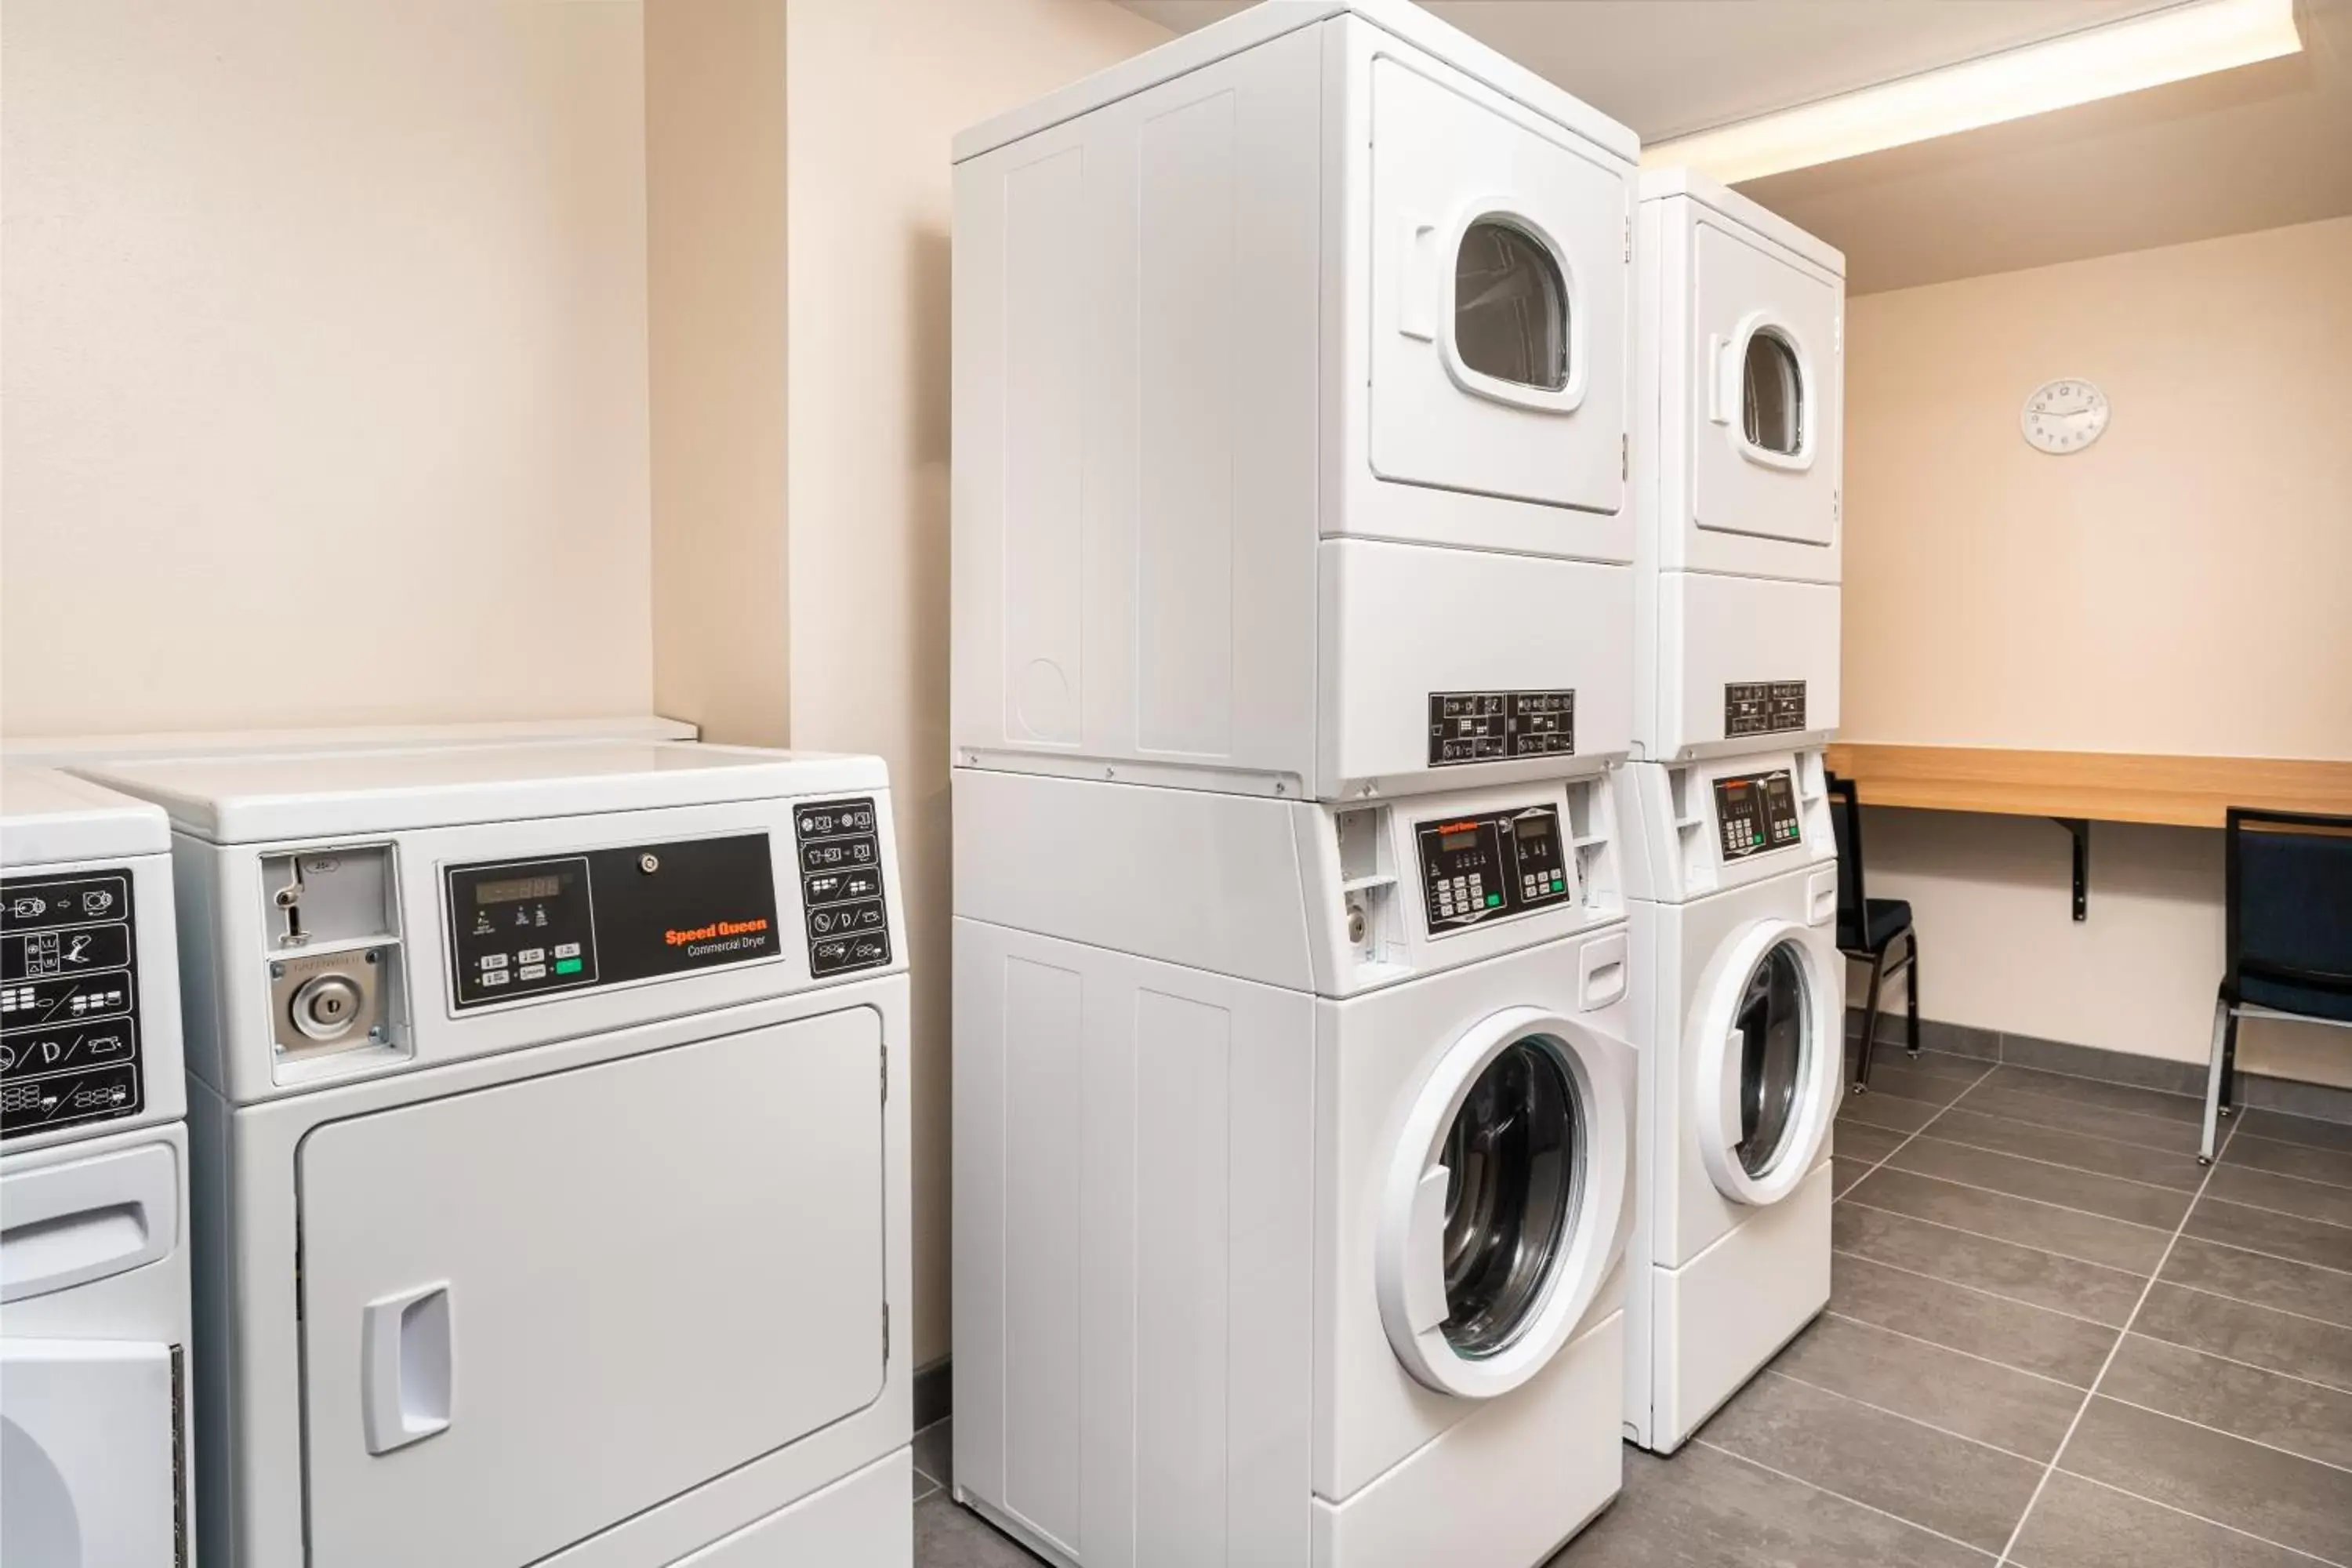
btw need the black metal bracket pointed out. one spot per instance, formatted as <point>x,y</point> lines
<point>2079,828</point>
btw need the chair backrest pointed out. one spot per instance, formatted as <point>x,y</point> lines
<point>1845,824</point>
<point>2288,876</point>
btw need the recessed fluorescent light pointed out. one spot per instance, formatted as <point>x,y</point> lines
<point>2172,45</point>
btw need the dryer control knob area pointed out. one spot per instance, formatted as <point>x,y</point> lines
<point>325,1006</point>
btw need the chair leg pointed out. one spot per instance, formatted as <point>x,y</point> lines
<point>1869,1023</point>
<point>1911,993</point>
<point>2222,1022</point>
<point>2229,1064</point>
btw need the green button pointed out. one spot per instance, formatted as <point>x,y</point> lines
<point>567,966</point>
<point>1494,898</point>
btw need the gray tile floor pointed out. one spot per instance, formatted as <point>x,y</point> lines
<point>2054,1341</point>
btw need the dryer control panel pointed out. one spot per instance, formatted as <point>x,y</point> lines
<point>68,1001</point>
<point>1757,812</point>
<point>523,929</point>
<point>841,887</point>
<point>1492,866</point>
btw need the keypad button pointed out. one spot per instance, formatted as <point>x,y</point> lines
<point>531,955</point>
<point>495,977</point>
<point>494,961</point>
<point>532,972</point>
<point>567,949</point>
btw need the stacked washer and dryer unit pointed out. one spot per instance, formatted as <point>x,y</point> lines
<point>1739,988</point>
<point>548,1121</point>
<point>95,1335</point>
<point>1294,608</point>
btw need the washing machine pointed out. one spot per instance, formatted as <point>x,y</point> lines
<point>95,1340</point>
<point>1292,1157</point>
<point>549,1118</point>
<point>1292,378</point>
<point>1738,998</point>
<point>1738,458</point>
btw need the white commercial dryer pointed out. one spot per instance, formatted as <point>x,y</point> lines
<point>1738,453</point>
<point>1292,1151</point>
<point>1292,371</point>
<point>550,1131</point>
<point>95,1339</point>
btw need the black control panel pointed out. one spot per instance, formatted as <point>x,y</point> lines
<point>1757,813</point>
<point>1498,726</point>
<point>1492,865</point>
<point>841,886</point>
<point>1763,707</point>
<point>68,1002</point>
<point>522,929</point>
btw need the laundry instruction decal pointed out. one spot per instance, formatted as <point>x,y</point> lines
<point>1499,726</point>
<point>1762,707</point>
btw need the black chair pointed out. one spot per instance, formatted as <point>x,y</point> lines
<point>2287,881</point>
<point>1868,930</point>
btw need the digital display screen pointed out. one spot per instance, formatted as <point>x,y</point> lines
<point>514,889</point>
<point>1455,843</point>
<point>1533,828</point>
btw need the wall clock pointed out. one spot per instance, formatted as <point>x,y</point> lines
<point>2063,417</point>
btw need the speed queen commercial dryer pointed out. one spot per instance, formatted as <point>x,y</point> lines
<point>549,1124</point>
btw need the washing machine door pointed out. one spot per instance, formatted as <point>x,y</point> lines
<point>1769,1052</point>
<point>87,1449</point>
<point>1499,291</point>
<point>1504,1204</point>
<point>1769,386</point>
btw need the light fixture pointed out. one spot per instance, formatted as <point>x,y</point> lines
<point>2181,41</point>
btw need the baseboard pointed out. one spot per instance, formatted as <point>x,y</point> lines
<point>934,1392</point>
<point>2321,1101</point>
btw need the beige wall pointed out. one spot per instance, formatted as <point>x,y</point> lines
<point>324,387</point>
<point>2177,586</point>
<point>716,188</point>
<point>877,92</point>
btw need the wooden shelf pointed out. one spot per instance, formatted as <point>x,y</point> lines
<point>2094,787</point>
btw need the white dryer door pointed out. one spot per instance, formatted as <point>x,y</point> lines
<point>532,1311</point>
<point>1769,1060</point>
<point>87,1453</point>
<point>1499,300</point>
<point>1504,1208</point>
<point>1769,387</point>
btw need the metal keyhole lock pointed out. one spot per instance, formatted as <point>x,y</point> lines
<point>326,1005</point>
<point>649,864</point>
<point>1356,926</point>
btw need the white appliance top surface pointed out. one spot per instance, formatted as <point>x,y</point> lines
<point>1272,19</point>
<point>1667,184</point>
<point>244,799</point>
<point>47,818</point>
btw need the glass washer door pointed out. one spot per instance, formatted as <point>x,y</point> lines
<point>1503,1207</point>
<point>1773,1054</point>
<point>1765,1063</point>
<point>1514,1160</point>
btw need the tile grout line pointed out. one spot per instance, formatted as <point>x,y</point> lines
<point>1955,1350</point>
<point>2237,1203</point>
<point>2223,1432</point>
<point>2044,1203</point>
<point>1919,1421</point>
<point>2233,1361</point>
<point>2191,1513</point>
<point>2018,1530</point>
<point>2322,1183</point>
<point>1995,1295</point>
<point>1959,1142</point>
<point>1913,1133</point>
<point>2004,1241</point>
<point>1737,1458</point>
<point>2217,1295</point>
<point>2273,1257</point>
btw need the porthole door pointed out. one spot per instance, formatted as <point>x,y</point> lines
<point>1765,383</point>
<point>1499,299</point>
<point>1503,1204</point>
<point>1769,1058</point>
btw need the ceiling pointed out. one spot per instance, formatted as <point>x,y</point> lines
<point>2252,148</point>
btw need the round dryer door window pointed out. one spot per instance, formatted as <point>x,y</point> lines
<point>1504,1204</point>
<point>1510,307</point>
<point>1766,1063</point>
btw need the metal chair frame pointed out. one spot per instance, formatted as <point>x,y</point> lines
<point>1851,895</point>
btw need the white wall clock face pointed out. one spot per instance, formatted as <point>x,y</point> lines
<point>2063,417</point>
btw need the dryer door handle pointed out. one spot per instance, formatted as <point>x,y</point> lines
<point>405,1350</point>
<point>1417,279</point>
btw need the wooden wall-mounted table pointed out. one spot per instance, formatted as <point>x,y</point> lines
<point>2077,788</point>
